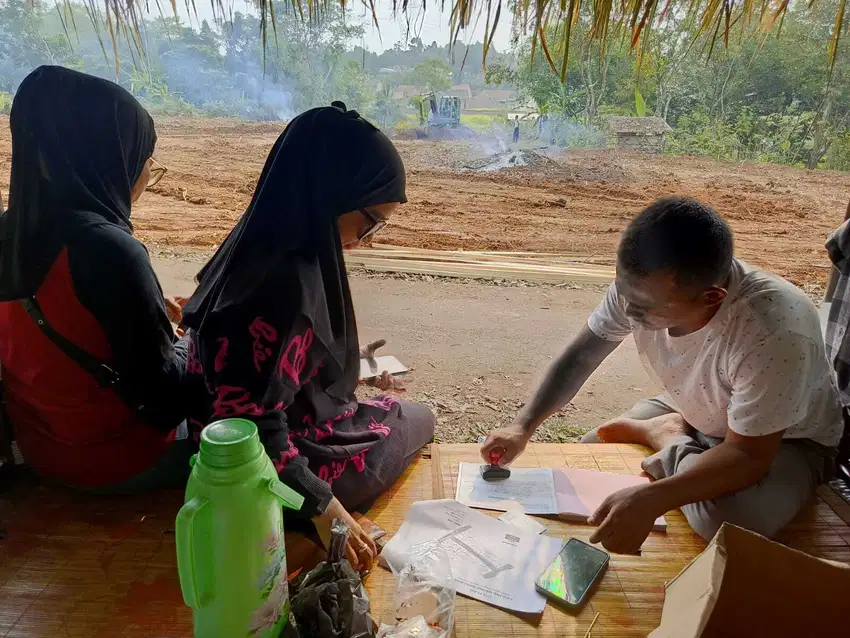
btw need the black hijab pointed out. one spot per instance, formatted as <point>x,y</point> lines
<point>327,162</point>
<point>79,143</point>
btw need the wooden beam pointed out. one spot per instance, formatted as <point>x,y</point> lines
<point>453,266</point>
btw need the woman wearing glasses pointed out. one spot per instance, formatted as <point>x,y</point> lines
<point>272,331</point>
<point>90,370</point>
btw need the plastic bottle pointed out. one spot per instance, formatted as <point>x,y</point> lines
<point>230,545</point>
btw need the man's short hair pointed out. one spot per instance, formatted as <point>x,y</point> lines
<point>681,236</point>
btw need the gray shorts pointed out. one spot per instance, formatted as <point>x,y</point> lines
<point>765,507</point>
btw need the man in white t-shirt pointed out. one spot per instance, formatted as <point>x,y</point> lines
<point>749,419</point>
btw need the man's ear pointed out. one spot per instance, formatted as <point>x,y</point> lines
<point>714,296</point>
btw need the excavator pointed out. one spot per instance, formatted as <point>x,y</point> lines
<point>440,114</point>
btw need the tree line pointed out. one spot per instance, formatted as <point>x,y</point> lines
<point>759,98</point>
<point>762,97</point>
<point>223,69</point>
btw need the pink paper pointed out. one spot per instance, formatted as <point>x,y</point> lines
<point>581,492</point>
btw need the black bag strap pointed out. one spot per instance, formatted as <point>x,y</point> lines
<point>103,373</point>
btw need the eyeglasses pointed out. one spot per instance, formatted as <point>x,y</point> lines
<point>158,171</point>
<point>376,224</point>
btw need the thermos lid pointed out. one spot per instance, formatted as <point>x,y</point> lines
<point>229,442</point>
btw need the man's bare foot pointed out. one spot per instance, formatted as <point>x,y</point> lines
<point>655,433</point>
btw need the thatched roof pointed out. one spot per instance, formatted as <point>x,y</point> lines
<point>617,124</point>
<point>635,19</point>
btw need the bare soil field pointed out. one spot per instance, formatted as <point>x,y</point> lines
<point>576,204</point>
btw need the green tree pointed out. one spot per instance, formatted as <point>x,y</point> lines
<point>22,45</point>
<point>386,111</point>
<point>435,75</point>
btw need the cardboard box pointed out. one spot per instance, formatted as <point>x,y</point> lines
<point>746,585</point>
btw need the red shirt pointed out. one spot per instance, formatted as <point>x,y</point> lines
<point>66,425</point>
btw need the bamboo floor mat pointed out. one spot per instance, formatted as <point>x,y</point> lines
<point>80,566</point>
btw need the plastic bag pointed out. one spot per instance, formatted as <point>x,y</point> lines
<point>413,628</point>
<point>424,598</point>
<point>329,601</point>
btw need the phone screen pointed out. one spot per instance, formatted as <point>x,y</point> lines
<point>573,571</point>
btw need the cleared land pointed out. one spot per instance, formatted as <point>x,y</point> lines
<point>576,204</point>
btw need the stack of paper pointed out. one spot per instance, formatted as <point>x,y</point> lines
<point>490,560</point>
<point>569,493</point>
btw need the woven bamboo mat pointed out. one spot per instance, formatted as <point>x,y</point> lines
<point>80,566</point>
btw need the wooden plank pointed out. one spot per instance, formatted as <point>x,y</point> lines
<point>437,492</point>
<point>484,255</point>
<point>500,265</point>
<point>460,257</point>
<point>835,502</point>
<point>540,274</point>
<point>524,253</point>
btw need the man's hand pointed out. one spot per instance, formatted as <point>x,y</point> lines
<point>625,519</point>
<point>511,441</point>
<point>360,550</point>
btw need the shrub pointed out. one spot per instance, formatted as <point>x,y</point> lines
<point>478,123</point>
<point>838,155</point>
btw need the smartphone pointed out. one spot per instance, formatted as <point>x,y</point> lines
<point>570,577</point>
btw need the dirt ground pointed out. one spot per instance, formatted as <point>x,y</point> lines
<point>478,348</point>
<point>576,204</point>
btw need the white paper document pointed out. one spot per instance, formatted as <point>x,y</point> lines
<point>523,521</point>
<point>571,494</point>
<point>491,561</point>
<point>532,488</point>
<point>382,364</point>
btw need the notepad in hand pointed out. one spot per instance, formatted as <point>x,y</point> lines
<point>580,492</point>
<point>381,364</point>
<point>568,493</point>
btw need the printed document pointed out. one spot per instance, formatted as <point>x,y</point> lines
<point>490,560</point>
<point>532,488</point>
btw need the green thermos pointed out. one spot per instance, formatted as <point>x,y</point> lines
<point>230,546</point>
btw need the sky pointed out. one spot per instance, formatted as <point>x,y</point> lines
<point>430,25</point>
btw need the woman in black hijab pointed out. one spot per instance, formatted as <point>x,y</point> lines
<point>91,373</point>
<point>272,330</point>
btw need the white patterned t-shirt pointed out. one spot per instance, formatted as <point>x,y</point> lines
<point>757,367</point>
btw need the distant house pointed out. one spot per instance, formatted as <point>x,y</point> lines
<point>639,133</point>
<point>502,96</point>
<point>462,91</point>
<point>493,101</point>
